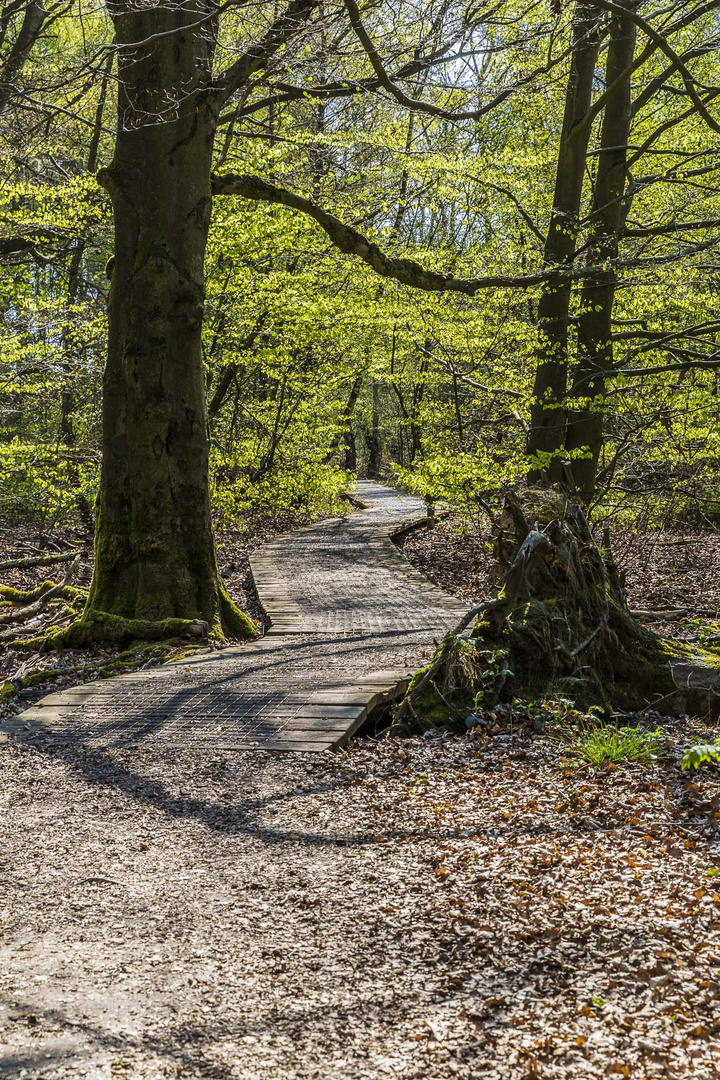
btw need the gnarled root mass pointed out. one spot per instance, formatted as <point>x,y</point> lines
<point>74,624</point>
<point>560,627</point>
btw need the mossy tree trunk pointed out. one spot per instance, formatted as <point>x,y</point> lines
<point>154,552</point>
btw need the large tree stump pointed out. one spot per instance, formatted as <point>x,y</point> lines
<point>561,625</point>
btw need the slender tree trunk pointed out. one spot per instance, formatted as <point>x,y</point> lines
<point>373,439</point>
<point>154,548</point>
<point>547,428</point>
<point>595,346</point>
<point>344,435</point>
<point>350,449</point>
<point>34,16</point>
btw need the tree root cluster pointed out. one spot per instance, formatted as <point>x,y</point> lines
<point>139,654</point>
<point>104,628</point>
<point>22,609</point>
<point>559,628</point>
<point>57,612</point>
<point>73,626</point>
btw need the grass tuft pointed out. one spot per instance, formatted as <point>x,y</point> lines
<point>604,744</point>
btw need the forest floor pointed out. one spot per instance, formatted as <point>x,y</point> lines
<point>426,908</point>
<point>669,570</point>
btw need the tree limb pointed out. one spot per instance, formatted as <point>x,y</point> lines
<point>416,104</point>
<point>351,242</point>
<point>38,560</point>
<point>664,46</point>
<point>408,272</point>
<point>257,56</point>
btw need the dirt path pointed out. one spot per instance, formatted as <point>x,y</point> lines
<point>425,909</point>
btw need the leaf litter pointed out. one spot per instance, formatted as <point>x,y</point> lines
<point>452,906</point>
<point>448,906</point>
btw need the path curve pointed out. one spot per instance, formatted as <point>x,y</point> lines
<point>350,621</point>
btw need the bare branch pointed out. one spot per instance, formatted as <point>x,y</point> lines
<point>416,104</point>
<point>284,27</point>
<point>664,46</point>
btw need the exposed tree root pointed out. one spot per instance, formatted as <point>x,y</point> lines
<point>234,621</point>
<point>140,654</point>
<point>42,596</point>
<point>101,626</point>
<point>560,627</point>
<point>38,560</point>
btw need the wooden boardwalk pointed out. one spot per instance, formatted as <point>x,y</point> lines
<point>350,621</point>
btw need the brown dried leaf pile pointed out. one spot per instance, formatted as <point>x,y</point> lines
<point>427,909</point>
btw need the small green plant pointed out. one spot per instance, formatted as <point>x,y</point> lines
<point>601,744</point>
<point>700,754</point>
<point>492,675</point>
<point>707,634</point>
<point>554,712</point>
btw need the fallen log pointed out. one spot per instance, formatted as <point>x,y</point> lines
<point>24,613</point>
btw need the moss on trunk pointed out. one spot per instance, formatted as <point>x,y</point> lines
<point>114,629</point>
<point>155,557</point>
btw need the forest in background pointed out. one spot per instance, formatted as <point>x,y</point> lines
<point>559,164</point>
<point>252,252</point>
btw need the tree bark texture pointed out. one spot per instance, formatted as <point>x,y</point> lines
<point>547,427</point>
<point>595,347</point>
<point>154,552</point>
<point>373,436</point>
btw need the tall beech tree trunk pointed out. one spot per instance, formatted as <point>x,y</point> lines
<point>154,549</point>
<point>595,345</point>
<point>547,425</point>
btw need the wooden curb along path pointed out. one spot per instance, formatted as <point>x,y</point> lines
<point>350,621</point>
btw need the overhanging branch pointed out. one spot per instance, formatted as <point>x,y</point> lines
<point>408,272</point>
<point>351,242</point>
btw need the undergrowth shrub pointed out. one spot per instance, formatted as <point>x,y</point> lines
<point>701,753</point>
<point>296,487</point>
<point>36,483</point>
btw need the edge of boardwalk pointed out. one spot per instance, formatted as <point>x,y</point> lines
<point>323,720</point>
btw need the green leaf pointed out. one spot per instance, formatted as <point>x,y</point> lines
<point>700,754</point>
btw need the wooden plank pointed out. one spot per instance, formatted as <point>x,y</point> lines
<point>343,696</point>
<point>307,744</point>
<point>319,723</point>
<point>50,715</point>
<point>334,712</point>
